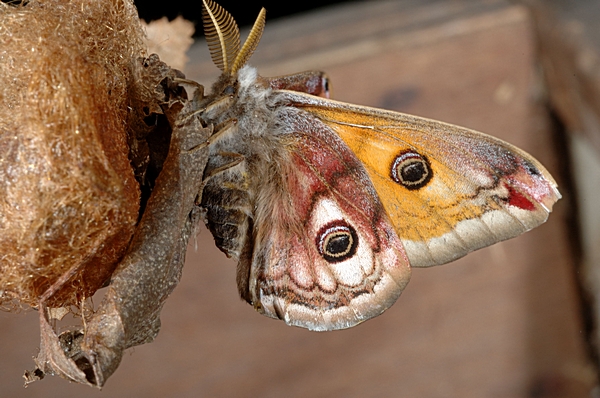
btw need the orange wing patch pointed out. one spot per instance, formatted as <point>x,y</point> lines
<point>447,190</point>
<point>419,214</point>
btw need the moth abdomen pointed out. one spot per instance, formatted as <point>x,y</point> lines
<point>227,203</point>
<point>228,227</point>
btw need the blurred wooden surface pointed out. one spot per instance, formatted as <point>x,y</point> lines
<point>501,322</point>
<point>569,43</point>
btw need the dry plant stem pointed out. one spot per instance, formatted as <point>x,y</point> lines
<point>129,314</point>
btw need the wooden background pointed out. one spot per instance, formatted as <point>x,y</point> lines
<point>502,322</point>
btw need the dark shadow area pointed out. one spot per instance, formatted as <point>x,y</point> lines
<point>244,12</point>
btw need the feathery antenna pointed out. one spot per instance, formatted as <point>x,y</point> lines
<point>222,35</point>
<point>251,42</point>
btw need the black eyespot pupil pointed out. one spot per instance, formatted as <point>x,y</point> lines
<point>338,244</point>
<point>337,241</point>
<point>413,172</point>
<point>229,90</point>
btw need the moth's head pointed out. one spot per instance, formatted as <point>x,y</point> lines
<point>223,39</point>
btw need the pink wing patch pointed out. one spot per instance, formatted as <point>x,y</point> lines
<point>326,255</point>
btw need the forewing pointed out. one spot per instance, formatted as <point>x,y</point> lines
<point>447,190</point>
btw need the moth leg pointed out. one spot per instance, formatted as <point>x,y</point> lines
<point>192,144</point>
<point>199,88</point>
<point>185,119</point>
<point>223,130</point>
<point>236,159</point>
<point>226,129</point>
<point>195,102</point>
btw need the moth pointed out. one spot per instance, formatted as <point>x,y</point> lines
<point>326,206</point>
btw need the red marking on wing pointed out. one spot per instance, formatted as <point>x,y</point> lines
<point>517,199</point>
